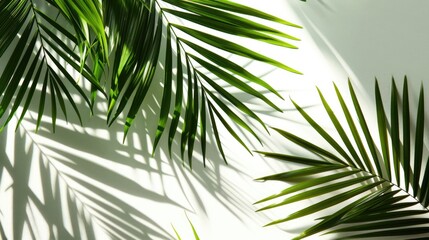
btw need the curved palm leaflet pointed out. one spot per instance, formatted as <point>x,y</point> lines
<point>194,231</point>
<point>116,46</point>
<point>388,184</point>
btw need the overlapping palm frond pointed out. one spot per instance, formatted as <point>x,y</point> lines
<point>384,184</point>
<point>123,42</point>
<point>205,99</point>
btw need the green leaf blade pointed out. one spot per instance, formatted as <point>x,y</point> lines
<point>418,149</point>
<point>340,130</point>
<point>166,95</point>
<point>178,100</point>
<point>382,130</point>
<point>364,126</point>
<point>326,203</point>
<point>394,128</point>
<point>309,183</point>
<point>232,47</point>
<point>406,134</point>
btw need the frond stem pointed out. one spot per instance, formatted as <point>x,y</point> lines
<point>393,184</point>
<point>188,59</point>
<point>38,30</point>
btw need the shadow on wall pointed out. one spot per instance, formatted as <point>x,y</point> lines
<point>82,182</point>
<point>59,184</point>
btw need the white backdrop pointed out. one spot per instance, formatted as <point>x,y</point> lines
<point>83,183</point>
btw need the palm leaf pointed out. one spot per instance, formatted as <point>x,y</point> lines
<point>123,43</point>
<point>377,200</point>
<point>194,231</point>
<point>208,97</point>
<point>42,47</point>
<point>135,28</point>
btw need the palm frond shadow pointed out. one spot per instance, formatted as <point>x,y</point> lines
<point>365,183</point>
<point>324,4</point>
<point>225,192</point>
<point>77,157</point>
<point>77,190</point>
<point>72,37</point>
<point>78,161</point>
<point>210,176</point>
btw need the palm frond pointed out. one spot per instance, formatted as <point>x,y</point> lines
<point>133,67</point>
<point>205,95</point>
<point>378,201</point>
<point>125,42</point>
<point>37,59</point>
<point>137,30</point>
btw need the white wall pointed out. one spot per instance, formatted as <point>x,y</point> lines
<point>82,182</point>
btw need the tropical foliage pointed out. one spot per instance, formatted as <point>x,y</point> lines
<point>117,46</point>
<point>54,49</point>
<point>383,183</point>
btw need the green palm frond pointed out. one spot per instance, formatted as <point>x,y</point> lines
<point>384,186</point>
<point>195,63</point>
<point>120,44</point>
<point>42,45</point>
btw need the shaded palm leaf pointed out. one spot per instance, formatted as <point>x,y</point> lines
<point>367,174</point>
<point>42,47</point>
<point>124,42</point>
<point>205,94</point>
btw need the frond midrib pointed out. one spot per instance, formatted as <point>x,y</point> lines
<point>375,175</point>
